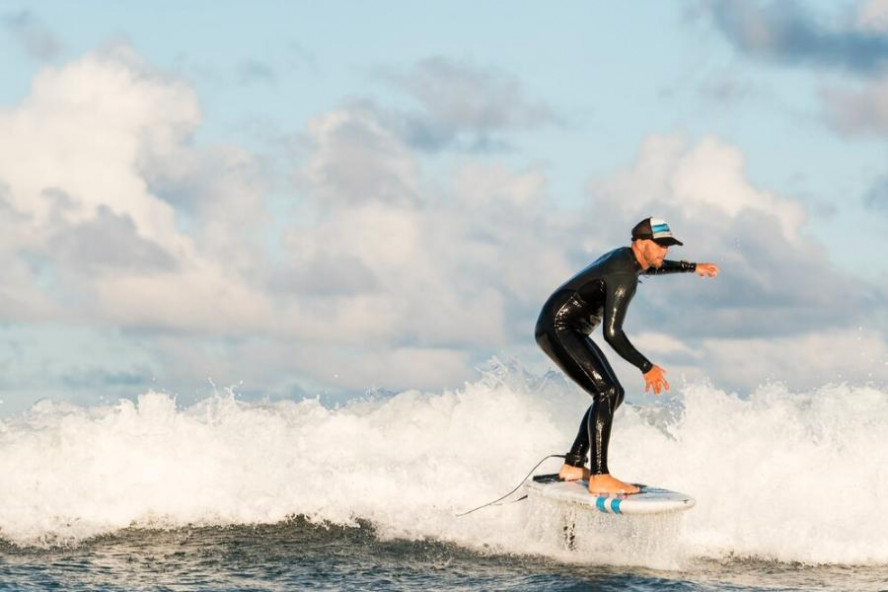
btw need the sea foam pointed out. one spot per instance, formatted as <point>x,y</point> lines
<point>777,475</point>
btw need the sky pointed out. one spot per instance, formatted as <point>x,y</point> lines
<point>305,199</point>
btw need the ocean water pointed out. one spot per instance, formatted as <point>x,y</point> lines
<point>791,490</point>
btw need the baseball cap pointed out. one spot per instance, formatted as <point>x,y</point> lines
<point>656,230</point>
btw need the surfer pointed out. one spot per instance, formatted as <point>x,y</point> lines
<point>602,293</point>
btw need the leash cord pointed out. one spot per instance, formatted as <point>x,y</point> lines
<point>496,501</point>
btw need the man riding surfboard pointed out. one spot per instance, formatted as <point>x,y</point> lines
<point>601,294</point>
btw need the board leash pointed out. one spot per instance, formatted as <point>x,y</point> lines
<point>496,501</point>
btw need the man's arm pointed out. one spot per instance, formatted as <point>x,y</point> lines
<point>653,378</point>
<point>617,297</point>
<point>702,269</point>
<point>618,294</point>
<point>669,266</point>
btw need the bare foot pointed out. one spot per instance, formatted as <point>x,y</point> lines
<point>571,473</point>
<point>607,484</point>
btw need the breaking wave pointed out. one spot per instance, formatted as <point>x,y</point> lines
<point>777,475</point>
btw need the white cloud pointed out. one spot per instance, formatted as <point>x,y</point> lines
<point>219,197</point>
<point>480,186</point>
<point>72,156</point>
<point>849,355</point>
<point>662,344</point>
<point>470,266</point>
<point>198,298</point>
<point>776,285</point>
<point>127,224</point>
<point>462,105</point>
<point>873,16</point>
<point>703,180</point>
<point>858,112</point>
<point>438,266</point>
<point>789,32</point>
<point>356,159</point>
<point>459,95</point>
<point>712,175</point>
<point>386,274</point>
<point>80,132</point>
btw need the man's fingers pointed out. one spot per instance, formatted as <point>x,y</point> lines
<point>706,270</point>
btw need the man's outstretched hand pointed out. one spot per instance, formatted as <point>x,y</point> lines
<point>654,379</point>
<point>707,269</point>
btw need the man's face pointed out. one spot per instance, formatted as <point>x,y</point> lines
<point>654,253</point>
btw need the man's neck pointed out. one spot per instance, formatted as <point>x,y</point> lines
<point>639,257</point>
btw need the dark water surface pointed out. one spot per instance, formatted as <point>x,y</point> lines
<point>301,556</point>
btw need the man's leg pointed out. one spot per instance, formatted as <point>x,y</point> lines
<point>585,364</point>
<point>574,467</point>
<point>600,416</point>
<point>599,420</point>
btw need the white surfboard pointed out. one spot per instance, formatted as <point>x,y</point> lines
<point>650,500</point>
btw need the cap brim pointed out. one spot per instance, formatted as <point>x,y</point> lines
<point>668,241</point>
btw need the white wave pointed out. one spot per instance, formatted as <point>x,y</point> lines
<point>777,475</point>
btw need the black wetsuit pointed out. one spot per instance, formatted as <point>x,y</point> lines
<point>602,291</point>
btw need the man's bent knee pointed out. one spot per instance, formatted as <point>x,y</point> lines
<point>614,395</point>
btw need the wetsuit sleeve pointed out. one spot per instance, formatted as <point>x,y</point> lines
<point>671,267</point>
<point>618,295</point>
